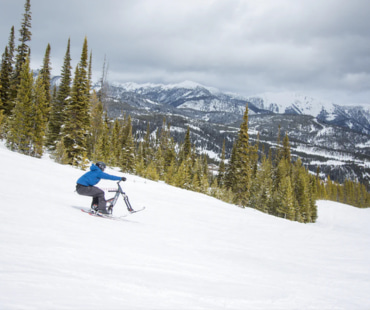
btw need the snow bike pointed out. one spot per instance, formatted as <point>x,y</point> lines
<point>112,201</point>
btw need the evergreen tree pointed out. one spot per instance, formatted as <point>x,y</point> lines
<point>302,193</point>
<point>231,170</point>
<point>329,188</point>
<point>39,115</point>
<point>1,117</point>
<point>147,147</point>
<point>45,73</point>
<point>182,178</point>
<point>139,163</point>
<point>97,126</point>
<point>204,175</point>
<point>102,150</point>
<point>242,176</point>
<point>85,71</point>
<point>151,172</point>
<point>186,147</point>
<point>159,163</point>
<point>20,132</point>
<point>90,70</point>
<point>7,91</point>
<point>116,144</point>
<point>128,158</point>
<point>262,188</point>
<point>286,149</point>
<point>167,145</point>
<point>23,50</point>
<point>11,46</point>
<point>313,197</point>
<point>279,152</point>
<point>5,83</point>
<point>285,202</point>
<point>60,155</point>
<point>58,108</point>
<point>221,168</point>
<point>77,124</point>
<point>169,176</point>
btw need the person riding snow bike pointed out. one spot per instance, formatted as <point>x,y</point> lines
<point>85,185</point>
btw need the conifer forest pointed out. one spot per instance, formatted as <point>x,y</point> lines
<point>70,122</point>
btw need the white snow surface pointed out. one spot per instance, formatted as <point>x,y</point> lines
<point>185,251</point>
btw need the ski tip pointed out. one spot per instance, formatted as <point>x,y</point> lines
<point>137,210</point>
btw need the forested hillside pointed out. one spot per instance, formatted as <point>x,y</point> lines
<point>71,123</point>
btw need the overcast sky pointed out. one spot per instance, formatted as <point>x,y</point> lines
<point>315,47</point>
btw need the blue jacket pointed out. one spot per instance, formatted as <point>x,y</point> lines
<point>94,176</point>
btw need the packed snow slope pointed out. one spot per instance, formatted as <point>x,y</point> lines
<point>185,251</point>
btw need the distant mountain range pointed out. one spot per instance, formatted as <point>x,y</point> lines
<point>333,138</point>
<point>210,104</point>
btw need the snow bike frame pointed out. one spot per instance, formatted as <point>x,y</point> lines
<point>113,201</point>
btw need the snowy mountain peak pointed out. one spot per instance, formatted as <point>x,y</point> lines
<point>132,86</point>
<point>293,103</point>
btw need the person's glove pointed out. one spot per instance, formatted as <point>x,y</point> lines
<point>123,179</point>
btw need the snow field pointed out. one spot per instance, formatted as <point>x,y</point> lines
<point>185,251</point>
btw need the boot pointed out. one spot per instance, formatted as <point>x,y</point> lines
<point>102,211</point>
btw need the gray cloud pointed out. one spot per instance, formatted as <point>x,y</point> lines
<point>244,46</point>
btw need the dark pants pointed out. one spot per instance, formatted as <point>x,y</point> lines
<point>95,192</point>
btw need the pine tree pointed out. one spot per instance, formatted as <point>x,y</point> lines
<point>285,202</point>
<point>302,193</point>
<point>11,46</point>
<point>186,147</point>
<point>102,151</point>
<point>262,188</point>
<point>242,176</point>
<point>77,124</point>
<point>167,145</point>
<point>7,91</point>
<point>286,149</point>
<point>1,117</point>
<point>20,132</point>
<point>159,163</point>
<point>85,71</point>
<point>204,176</point>
<point>57,112</point>
<point>221,168</point>
<point>313,197</point>
<point>151,172</point>
<point>147,150</point>
<point>45,73</point>
<point>182,178</point>
<point>231,170</point>
<point>140,166</point>
<point>97,126</point>
<point>23,50</point>
<point>90,70</point>
<point>116,143</point>
<point>169,176</point>
<point>39,110</point>
<point>128,158</point>
<point>279,151</point>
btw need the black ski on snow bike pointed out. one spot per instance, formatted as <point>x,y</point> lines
<point>111,203</point>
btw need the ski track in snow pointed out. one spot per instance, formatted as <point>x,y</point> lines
<point>185,251</point>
